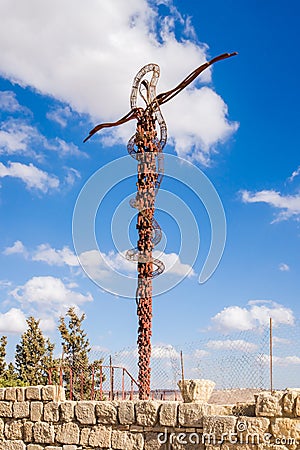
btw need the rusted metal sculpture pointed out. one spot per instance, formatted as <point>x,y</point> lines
<point>147,149</point>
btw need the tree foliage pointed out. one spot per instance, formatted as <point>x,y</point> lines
<point>76,348</point>
<point>34,354</point>
<point>3,343</point>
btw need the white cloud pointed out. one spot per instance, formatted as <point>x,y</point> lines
<point>17,248</point>
<point>99,264</point>
<point>288,205</point>
<point>13,321</point>
<point>199,353</point>
<point>48,297</point>
<point>279,340</point>
<point>60,115</point>
<point>173,265</point>
<point>9,102</point>
<point>256,314</point>
<point>33,177</point>
<point>53,257</point>
<point>294,175</point>
<point>282,361</point>
<point>284,267</point>
<point>164,351</point>
<point>91,63</point>
<point>232,344</point>
<point>19,137</point>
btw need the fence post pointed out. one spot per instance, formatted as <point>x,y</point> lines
<point>111,370</point>
<point>81,385</point>
<point>123,384</point>
<point>93,383</point>
<point>71,383</point>
<point>271,355</point>
<point>101,383</point>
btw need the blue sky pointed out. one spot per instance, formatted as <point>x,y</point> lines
<point>62,72</point>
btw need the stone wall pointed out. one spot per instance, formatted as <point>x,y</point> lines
<point>38,418</point>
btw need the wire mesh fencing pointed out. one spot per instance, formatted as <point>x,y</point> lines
<point>240,364</point>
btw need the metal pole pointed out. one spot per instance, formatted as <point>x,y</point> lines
<point>182,367</point>
<point>123,384</point>
<point>111,379</point>
<point>71,383</point>
<point>271,355</point>
<point>101,383</point>
<point>93,384</point>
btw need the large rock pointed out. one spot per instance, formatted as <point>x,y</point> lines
<point>67,433</point>
<point>146,412</point>
<point>191,414</point>
<point>43,433</point>
<point>106,413</point>
<point>126,412</point>
<point>168,414</point>
<point>100,436</point>
<point>85,413</point>
<point>196,390</point>
<point>5,409</point>
<point>269,404</point>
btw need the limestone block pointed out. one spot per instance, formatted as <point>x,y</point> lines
<point>297,406</point>
<point>20,391</point>
<point>289,403</point>
<point>49,393</point>
<point>269,404</point>
<point>123,440</point>
<point>2,393</point>
<point>27,431</point>
<point>33,393</point>
<point>68,433</point>
<point>106,413</point>
<point>51,412</point>
<point>1,429</point>
<point>243,409</point>
<point>5,409</point>
<point>118,439</point>
<point>100,436</point>
<point>34,447</point>
<point>152,442</point>
<point>134,441</point>
<point>253,427</point>
<point>196,390</point>
<point>286,428</point>
<point>12,445</point>
<point>191,414</point>
<point>11,394</point>
<point>85,412</point>
<point>51,447</point>
<point>69,447</point>
<point>13,430</point>
<point>67,411</point>
<point>20,410</point>
<point>43,433</point>
<point>36,411</point>
<point>126,412</point>
<point>168,414</point>
<point>84,436</point>
<point>220,410</point>
<point>219,425</point>
<point>146,412</point>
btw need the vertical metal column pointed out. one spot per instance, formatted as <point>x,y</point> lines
<point>145,198</point>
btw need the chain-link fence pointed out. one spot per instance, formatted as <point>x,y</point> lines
<point>239,364</point>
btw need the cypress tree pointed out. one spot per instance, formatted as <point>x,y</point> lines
<point>34,354</point>
<point>76,348</point>
<point>3,342</point>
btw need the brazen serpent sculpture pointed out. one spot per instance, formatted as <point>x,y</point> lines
<point>147,149</point>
